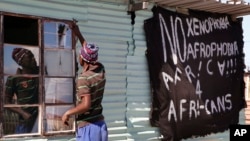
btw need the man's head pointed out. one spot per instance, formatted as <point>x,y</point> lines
<point>24,57</point>
<point>89,53</point>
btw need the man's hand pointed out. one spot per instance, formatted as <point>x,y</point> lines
<point>65,118</point>
<point>75,28</point>
<point>26,115</point>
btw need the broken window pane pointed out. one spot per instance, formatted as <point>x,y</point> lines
<point>57,35</point>
<point>20,30</point>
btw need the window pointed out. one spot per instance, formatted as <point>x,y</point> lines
<point>38,76</point>
<point>19,30</point>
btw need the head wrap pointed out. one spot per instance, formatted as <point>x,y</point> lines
<point>18,54</point>
<point>89,52</point>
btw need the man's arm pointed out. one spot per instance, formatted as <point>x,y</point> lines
<point>79,109</point>
<point>21,112</point>
<point>17,110</point>
<point>76,30</point>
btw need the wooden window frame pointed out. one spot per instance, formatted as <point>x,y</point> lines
<point>42,75</point>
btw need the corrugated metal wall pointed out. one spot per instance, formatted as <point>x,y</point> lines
<point>122,51</point>
<point>109,26</point>
<point>138,89</point>
<point>123,46</point>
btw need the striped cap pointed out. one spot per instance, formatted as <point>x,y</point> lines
<point>18,54</point>
<point>89,52</point>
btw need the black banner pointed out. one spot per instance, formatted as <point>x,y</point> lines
<point>196,66</point>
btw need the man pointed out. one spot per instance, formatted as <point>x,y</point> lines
<point>90,89</point>
<point>24,88</point>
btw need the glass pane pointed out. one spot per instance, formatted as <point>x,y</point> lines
<point>59,62</point>
<point>54,118</point>
<point>16,58</point>
<point>57,35</point>
<point>49,27</point>
<point>58,90</point>
<point>21,94</point>
<point>50,40</point>
<point>21,89</point>
<point>15,123</point>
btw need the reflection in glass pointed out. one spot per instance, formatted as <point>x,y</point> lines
<point>10,122</point>
<point>59,62</point>
<point>21,91</point>
<point>16,124</point>
<point>54,118</point>
<point>10,65</point>
<point>58,90</point>
<point>57,35</point>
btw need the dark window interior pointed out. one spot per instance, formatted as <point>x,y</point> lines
<point>19,30</point>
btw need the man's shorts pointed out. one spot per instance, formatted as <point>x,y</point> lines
<point>93,132</point>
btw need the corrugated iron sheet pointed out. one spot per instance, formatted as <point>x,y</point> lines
<point>122,51</point>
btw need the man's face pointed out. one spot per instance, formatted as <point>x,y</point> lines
<point>28,61</point>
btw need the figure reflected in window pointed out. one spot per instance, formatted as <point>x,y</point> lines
<point>62,29</point>
<point>24,87</point>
